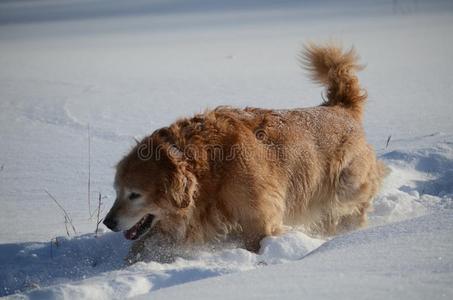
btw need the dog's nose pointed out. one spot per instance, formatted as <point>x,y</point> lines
<point>111,223</point>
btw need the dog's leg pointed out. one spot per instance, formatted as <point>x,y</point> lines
<point>153,246</point>
<point>355,220</point>
<point>254,199</point>
<point>359,184</point>
<point>254,232</point>
<point>135,252</point>
<point>264,219</point>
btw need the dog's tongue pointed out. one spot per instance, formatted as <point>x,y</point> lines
<point>131,234</point>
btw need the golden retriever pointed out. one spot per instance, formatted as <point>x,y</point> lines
<point>249,172</point>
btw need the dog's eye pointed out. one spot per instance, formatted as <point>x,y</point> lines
<point>133,196</point>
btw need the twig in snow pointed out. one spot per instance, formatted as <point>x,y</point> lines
<point>323,98</point>
<point>51,246</point>
<point>89,172</point>
<point>66,226</point>
<point>67,218</point>
<point>388,141</point>
<point>98,221</point>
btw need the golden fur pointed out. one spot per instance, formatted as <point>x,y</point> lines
<point>251,171</point>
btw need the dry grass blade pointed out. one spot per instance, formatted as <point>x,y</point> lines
<point>388,141</point>
<point>98,221</point>
<point>89,172</point>
<point>51,245</point>
<point>68,219</point>
<point>66,226</point>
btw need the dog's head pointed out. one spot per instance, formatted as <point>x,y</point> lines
<point>154,185</point>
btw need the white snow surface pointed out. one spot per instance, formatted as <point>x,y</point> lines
<point>408,260</point>
<point>125,68</point>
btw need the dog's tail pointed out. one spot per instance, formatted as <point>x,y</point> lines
<point>335,69</point>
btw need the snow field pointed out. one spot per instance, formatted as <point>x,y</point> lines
<point>137,66</point>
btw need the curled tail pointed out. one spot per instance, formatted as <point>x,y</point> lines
<point>335,69</point>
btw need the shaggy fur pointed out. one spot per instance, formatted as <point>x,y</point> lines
<point>251,171</point>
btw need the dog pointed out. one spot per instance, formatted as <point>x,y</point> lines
<point>251,172</point>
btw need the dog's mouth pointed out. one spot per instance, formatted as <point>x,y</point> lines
<point>140,228</point>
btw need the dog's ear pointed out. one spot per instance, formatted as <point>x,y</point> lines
<point>181,183</point>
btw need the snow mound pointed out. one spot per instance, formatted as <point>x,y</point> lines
<point>420,181</point>
<point>290,246</point>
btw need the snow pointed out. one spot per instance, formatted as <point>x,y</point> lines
<point>408,260</point>
<point>32,265</point>
<point>125,69</point>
